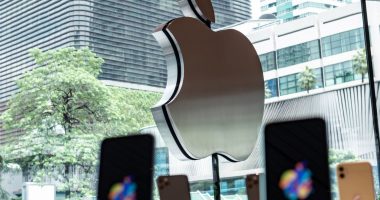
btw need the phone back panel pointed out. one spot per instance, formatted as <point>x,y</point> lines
<point>173,187</point>
<point>355,181</point>
<point>253,186</point>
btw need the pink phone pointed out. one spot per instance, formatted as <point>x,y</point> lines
<point>252,186</point>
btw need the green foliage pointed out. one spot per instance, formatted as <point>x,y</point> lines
<point>4,168</point>
<point>339,156</point>
<point>307,79</point>
<point>64,112</point>
<point>3,194</point>
<point>360,63</point>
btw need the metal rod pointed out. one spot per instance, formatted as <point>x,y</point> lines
<point>215,176</point>
<point>371,83</point>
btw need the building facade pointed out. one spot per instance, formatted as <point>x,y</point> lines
<point>326,43</point>
<point>117,30</point>
<point>289,10</point>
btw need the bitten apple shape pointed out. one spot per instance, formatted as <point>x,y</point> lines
<point>214,99</point>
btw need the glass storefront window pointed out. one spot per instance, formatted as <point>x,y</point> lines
<point>134,74</point>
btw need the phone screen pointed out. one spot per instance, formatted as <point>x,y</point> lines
<point>125,170</point>
<point>296,157</point>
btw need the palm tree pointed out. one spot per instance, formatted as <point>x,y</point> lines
<point>360,63</point>
<point>307,79</point>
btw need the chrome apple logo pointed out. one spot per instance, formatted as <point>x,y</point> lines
<point>214,98</point>
<point>297,183</point>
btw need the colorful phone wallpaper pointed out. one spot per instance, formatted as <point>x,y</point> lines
<point>123,191</point>
<point>297,183</point>
<point>296,160</point>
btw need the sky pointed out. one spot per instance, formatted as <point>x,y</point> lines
<point>255,9</point>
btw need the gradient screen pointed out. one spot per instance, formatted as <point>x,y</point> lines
<point>296,157</point>
<point>125,171</point>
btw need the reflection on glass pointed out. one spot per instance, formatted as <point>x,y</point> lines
<point>120,33</point>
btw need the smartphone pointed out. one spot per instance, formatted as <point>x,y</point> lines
<point>126,168</point>
<point>252,185</point>
<point>173,187</point>
<point>355,181</point>
<point>296,160</point>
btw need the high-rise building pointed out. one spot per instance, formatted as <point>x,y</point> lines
<point>117,30</point>
<point>288,10</point>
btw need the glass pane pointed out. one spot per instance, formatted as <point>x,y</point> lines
<point>53,118</point>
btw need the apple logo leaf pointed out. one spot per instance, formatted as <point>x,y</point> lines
<point>214,98</point>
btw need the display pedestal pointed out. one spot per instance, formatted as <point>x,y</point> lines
<point>215,176</point>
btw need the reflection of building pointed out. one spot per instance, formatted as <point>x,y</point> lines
<point>326,43</point>
<point>161,154</point>
<point>294,9</point>
<point>118,31</point>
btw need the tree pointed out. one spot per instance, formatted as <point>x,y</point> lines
<point>307,79</point>
<point>360,63</point>
<point>339,156</point>
<point>3,193</point>
<point>64,111</point>
<point>4,168</point>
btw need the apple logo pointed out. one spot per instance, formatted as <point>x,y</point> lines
<point>123,191</point>
<point>214,98</point>
<point>297,183</point>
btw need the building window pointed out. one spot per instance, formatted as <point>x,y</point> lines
<point>298,54</point>
<point>343,42</point>
<point>268,61</point>
<point>340,73</point>
<point>289,84</point>
<point>266,7</point>
<point>271,88</point>
<point>161,161</point>
<point>239,183</point>
<point>318,75</point>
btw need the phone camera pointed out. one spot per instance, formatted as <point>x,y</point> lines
<point>341,169</point>
<point>341,175</point>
